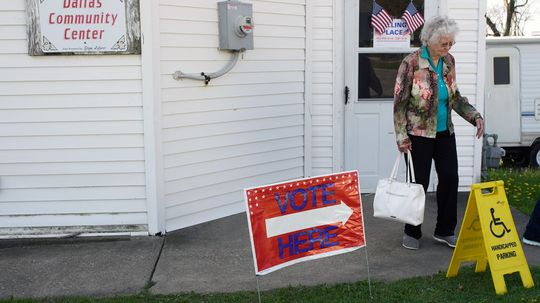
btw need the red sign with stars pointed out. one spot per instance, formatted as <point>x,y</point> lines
<point>304,219</point>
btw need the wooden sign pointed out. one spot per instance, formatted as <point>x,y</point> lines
<point>70,27</point>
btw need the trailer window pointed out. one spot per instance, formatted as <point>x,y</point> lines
<point>501,70</point>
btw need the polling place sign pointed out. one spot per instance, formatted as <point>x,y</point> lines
<point>396,35</point>
<point>304,219</point>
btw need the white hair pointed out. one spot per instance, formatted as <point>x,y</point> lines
<point>436,27</point>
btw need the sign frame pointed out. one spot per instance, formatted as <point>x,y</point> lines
<point>488,235</point>
<point>132,38</point>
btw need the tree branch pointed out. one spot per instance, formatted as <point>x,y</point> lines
<point>493,27</point>
<point>510,9</point>
<point>521,5</point>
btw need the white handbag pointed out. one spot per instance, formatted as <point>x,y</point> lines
<point>400,201</point>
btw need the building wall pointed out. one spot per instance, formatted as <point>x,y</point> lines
<point>72,156</point>
<point>71,138</point>
<point>469,53</point>
<point>323,71</point>
<point>243,129</point>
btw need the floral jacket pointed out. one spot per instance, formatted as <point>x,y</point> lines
<point>416,100</point>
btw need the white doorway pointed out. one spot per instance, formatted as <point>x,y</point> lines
<point>370,73</point>
<point>370,142</point>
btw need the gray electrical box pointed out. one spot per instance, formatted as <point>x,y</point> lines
<point>235,25</point>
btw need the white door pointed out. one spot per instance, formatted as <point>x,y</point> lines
<point>502,106</point>
<point>370,142</point>
<point>370,74</point>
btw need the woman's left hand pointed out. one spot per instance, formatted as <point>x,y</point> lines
<point>479,128</point>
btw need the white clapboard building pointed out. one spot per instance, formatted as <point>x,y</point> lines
<point>109,144</point>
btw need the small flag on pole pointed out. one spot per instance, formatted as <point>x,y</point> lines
<point>380,19</point>
<point>412,17</point>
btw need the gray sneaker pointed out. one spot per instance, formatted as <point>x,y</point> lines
<point>410,242</point>
<point>531,242</point>
<point>449,240</point>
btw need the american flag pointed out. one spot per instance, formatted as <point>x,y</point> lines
<point>380,19</point>
<point>412,17</point>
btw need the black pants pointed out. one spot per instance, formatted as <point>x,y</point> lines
<point>532,232</point>
<point>442,150</point>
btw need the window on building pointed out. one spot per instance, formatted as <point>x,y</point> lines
<point>378,67</point>
<point>395,8</point>
<point>377,74</point>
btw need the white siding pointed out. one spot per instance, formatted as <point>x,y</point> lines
<point>467,51</point>
<point>323,87</point>
<point>243,129</point>
<point>71,138</point>
<point>72,155</point>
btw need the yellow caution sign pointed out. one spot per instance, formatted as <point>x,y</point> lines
<point>488,235</point>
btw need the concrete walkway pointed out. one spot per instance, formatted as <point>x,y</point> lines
<point>212,257</point>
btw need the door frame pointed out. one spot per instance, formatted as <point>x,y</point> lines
<point>350,64</point>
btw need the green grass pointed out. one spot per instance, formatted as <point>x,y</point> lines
<point>522,186</point>
<point>468,286</point>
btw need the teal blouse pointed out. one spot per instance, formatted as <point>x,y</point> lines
<point>442,109</point>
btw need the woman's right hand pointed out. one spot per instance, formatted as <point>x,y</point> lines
<point>405,146</point>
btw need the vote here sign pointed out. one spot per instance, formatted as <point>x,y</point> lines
<point>304,219</point>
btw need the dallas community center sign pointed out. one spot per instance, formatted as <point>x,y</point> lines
<point>83,26</point>
<point>304,219</point>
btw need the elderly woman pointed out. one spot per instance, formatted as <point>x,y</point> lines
<point>425,94</point>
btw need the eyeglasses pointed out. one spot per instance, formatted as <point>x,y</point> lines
<point>447,44</point>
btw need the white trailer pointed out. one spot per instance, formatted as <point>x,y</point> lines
<point>512,105</point>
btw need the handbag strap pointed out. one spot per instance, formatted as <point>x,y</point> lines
<point>409,175</point>
<point>410,168</point>
<point>395,169</point>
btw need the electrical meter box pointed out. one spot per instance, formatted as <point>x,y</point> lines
<point>235,25</point>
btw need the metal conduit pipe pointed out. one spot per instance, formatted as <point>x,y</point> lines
<point>179,75</point>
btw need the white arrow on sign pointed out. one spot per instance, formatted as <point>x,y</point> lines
<point>307,219</point>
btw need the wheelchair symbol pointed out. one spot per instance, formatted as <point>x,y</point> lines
<point>496,222</point>
<point>475,224</point>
